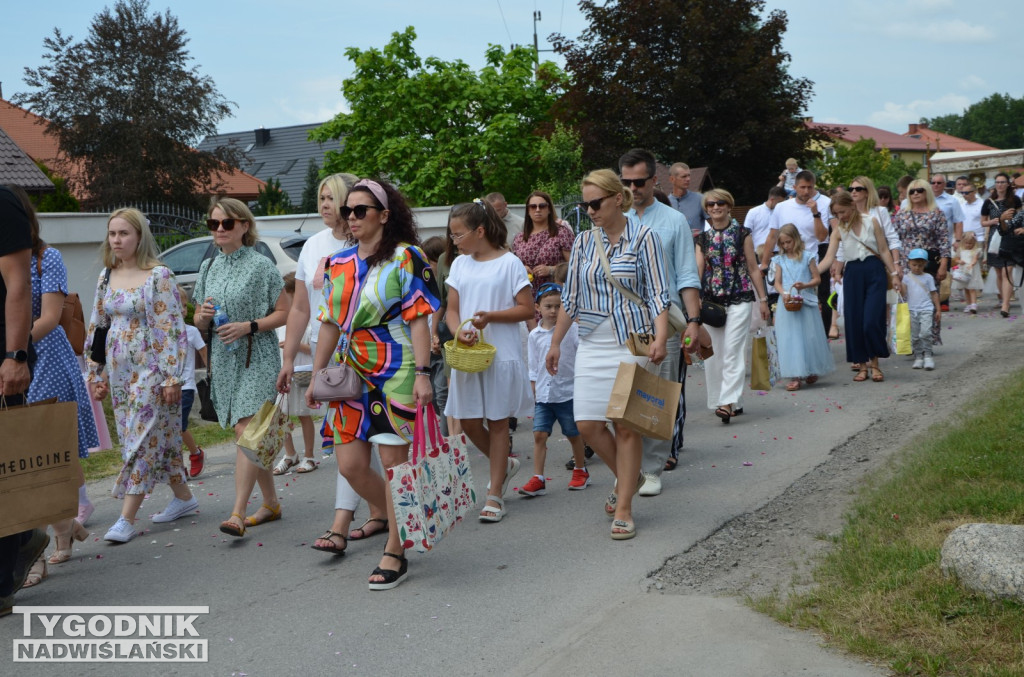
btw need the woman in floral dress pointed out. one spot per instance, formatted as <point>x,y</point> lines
<point>544,242</point>
<point>244,358</point>
<point>145,356</point>
<point>731,277</point>
<point>923,226</point>
<point>377,297</point>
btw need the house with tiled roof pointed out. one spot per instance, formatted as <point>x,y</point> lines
<point>281,153</point>
<point>906,148</point>
<point>17,168</point>
<point>28,131</point>
<point>943,142</point>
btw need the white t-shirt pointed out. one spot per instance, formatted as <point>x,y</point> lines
<point>800,216</point>
<point>195,342</point>
<point>491,285</point>
<point>972,217</point>
<point>310,271</point>
<point>919,289</point>
<point>552,389</point>
<point>303,362</point>
<point>758,222</point>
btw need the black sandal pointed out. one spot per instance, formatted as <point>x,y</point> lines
<point>724,414</point>
<point>334,549</point>
<point>362,529</point>
<point>391,578</point>
<point>671,464</point>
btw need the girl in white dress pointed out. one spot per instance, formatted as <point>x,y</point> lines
<point>489,288</point>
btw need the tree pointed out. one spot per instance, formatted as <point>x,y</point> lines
<point>699,81</point>
<point>996,120</point>
<point>560,157</point>
<point>439,130</point>
<point>271,200</point>
<point>127,108</point>
<point>310,200</point>
<point>861,159</point>
<point>60,200</point>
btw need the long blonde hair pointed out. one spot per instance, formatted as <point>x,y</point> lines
<point>872,200</point>
<point>844,199</point>
<point>147,254</point>
<point>609,181</point>
<point>790,231</point>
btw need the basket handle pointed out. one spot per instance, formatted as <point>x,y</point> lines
<point>479,331</point>
<point>792,289</point>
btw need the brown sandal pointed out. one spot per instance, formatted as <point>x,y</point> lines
<point>333,548</point>
<point>793,385</point>
<point>876,375</point>
<point>862,375</point>
<point>362,529</point>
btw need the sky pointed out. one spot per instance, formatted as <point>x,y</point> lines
<point>884,63</point>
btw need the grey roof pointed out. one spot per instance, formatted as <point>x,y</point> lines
<point>18,168</point>
<point>281,153</point>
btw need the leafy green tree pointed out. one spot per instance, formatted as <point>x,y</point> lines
<point>861,159</point>
<point>439,130</point>
<point>60,200</point>
<point>310,200</point>
<point>996,120</point>
<point>560,159</point>
<point>272,201</point>
<point>699,81</point>
<point>127,108</point>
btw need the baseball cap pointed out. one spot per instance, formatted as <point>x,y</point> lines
<point>918,254</point>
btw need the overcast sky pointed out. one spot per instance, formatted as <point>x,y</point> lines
<point>884,63</point>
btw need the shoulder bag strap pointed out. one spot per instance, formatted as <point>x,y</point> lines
<point>209,332</point>
<point>630,296</point>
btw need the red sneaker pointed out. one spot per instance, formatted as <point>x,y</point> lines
<point>580,479</point>
<point>196,463</point>
<point>535,487</point>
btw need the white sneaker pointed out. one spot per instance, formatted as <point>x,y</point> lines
<point>918,363</point>
<point>651,486</point>
<point>929,363</point>
<point>175,509</point>
<point>121,532</point>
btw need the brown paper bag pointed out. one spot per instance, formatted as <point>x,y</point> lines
<point>38,465</point>
<point>644,402</point>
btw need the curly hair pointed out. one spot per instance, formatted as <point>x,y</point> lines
<point>398,229</point>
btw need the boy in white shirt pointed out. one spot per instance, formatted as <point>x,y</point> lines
<point>553,394</point>
<point>197,346</point>
<point>923,302</point>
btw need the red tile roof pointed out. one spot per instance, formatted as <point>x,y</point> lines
<point>943,142</point>
<point>854,133</point>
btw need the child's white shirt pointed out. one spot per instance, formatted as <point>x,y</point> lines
<point>303,361</point>
<point>919,289</point>
<point>195,342</point>
<point>552,389</point>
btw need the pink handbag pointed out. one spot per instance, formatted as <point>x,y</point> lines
<point>337,384</point>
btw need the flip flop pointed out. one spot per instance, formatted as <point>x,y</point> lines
<point>362,529</point>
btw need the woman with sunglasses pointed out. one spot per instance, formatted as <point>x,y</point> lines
<point>377,296</point>
<point>544,242</point>
<point>1001,200</point>
<point>137,301</point>
<point>730,277</point>
<point>244,358</point>
<point>922,225</point>
<point>606,319</point>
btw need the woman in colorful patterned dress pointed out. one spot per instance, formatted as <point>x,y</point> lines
<point>377,297</point>
<point>245,358</point>
<point>544,242</point>
<point>145,357</point>
<point>729,276</point>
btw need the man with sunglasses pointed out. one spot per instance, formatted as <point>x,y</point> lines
<point>971,206</point>
<point>636,170</point>
<point>685,200</point>
<point>513,223</point>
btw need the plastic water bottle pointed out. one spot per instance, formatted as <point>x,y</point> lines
<point>220,318</point>
<point>695,359</point>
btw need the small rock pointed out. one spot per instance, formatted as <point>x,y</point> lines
<point>986,559</point>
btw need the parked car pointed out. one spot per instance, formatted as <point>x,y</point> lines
<point>280,246</point>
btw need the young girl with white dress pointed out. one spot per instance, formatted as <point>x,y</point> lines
<point>489,288</point>
<point>804,354</point>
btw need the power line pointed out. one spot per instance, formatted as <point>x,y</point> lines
<point>509,33</point>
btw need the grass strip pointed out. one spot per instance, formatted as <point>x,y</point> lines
<point>880,592</point>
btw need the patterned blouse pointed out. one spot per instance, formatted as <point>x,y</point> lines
<point>922,231</point>
<point>542,250</point>
<point>726,279</point>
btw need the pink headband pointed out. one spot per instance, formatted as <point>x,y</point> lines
<point>376,189</point>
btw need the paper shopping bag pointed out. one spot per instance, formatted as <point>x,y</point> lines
<point>764,360</point>
<point>901,333</point>
<point>643,401</point>
<point>433,490</point>
<point>263,437</point>
<point>38,465</point>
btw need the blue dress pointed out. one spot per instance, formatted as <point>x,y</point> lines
<point>803,347</point>
<point>57,373</point>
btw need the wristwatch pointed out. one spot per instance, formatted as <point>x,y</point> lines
<point>816,215</point>
<point>254,327</point>
<point>20,356</point>
<point>696,320</point>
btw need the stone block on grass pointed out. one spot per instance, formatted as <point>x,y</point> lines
<point>987,558</point>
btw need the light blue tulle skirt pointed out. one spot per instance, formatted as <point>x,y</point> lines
<point>803,348</point>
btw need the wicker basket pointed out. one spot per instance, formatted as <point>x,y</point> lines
<point>795,302</point>
<point>471,359</point>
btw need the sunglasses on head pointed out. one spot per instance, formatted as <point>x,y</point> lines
<point>639,183</point>
<point>717,203</point>
<point>358,210</point>
<point>228,224</point>
<point>593,205</point>
<point>539,206</point>
<point>915,191</point>
<point>857,189</point>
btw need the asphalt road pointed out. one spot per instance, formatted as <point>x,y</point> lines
<point>544,592</point>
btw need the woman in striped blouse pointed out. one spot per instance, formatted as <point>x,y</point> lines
<point>606,318</point>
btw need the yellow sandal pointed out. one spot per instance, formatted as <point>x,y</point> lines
<point>275,514</point>
<point>231,529</point>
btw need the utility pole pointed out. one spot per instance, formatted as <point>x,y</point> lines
<point>536,44</point>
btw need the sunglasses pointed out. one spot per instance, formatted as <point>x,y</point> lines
<point>593,205</point>
<point>539,206</point>
<point>358,210</point>
<point>938,183</point>
<point>966,192</point>
<point>915,191</point>
<point>857,189</point>
<point>639,183</point>
<point>228,224</point>
<point>717,203</point>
